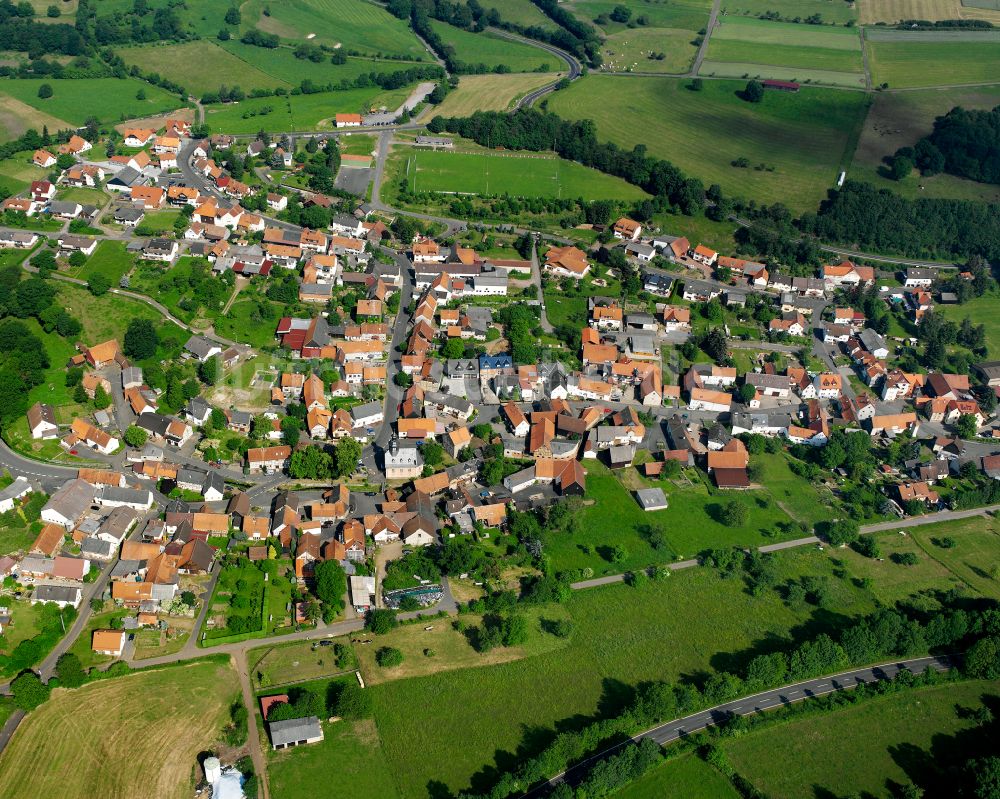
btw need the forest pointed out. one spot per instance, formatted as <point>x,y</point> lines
<point>963,143</point>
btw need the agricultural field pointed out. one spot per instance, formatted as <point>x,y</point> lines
<point>801,140</point>
<point>519,12</point>
<point>812,52</point>
<point>892,11</point>
<point>355,26</point>
<point>829,11</point>
<point>900,119</point>
<point>299,112</point>
<point>493,51</point>
<point>920,732</point>
<point>16,117</point>
<point>488,93</point>
<point>689,15</point>
<point>909,59</point>
<point>202,66</point>
<point>524,175</point>
<point>143,733</point>
<point>108,99</point>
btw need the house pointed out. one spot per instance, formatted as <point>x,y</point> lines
<point>828,385</point>
<point>18,239</point>
<point>627,229</point>
<point>138,137</point>
<point>917,492</point>
<point>915,277</point>
<point>676,317</point>
<point>68,505</point>
<point>9,495</point>
<point>49,541</point>
<point>847,274</point>
<point>61,595</point>
<point>75,145</point>
<point>42,421</point>
<point>93,437</point>
<point>418,531</point>
<point>109,642</point>
<point>702,399</point>
<point>893,424</point>
<point>296,732</point>
<point>268,459</point>
<point>362,592</point>
<point>873,343</point>
<point>567,261</point>
<point>43,158</point>
<point>67,568</point>
<point>656,283</point>
<point>160,250</point>
<point>699,291</point>
<point>202,348</point>
<point>703,255</point>
<point>347,120</point>
<point>71,243</point>
<point>989,371</point>
<point>115,497</point>
<point>651,499</point>
<point>128,216</point>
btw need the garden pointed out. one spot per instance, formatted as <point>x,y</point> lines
<point>246,605</point>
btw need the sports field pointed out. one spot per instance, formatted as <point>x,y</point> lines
<point>488,93</point>
<point>518,174</point>
<point>298,112</point>
<point>351,24</point>
<point>813,53</point>
<point>905,59</point>
<point>108,99</point>
<point>919,734</point>
<point>202,66</point>
<point>131,736</point>
<point>900,119</point>
<point>805,138</point>
<point>493,51</point>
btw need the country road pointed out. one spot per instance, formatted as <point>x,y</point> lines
<point>756,703</point>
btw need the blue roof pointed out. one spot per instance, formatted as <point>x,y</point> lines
<point>495,361</point>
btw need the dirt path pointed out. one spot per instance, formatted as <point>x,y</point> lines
<point>253,738</point>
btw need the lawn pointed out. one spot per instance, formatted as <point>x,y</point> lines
<point>202,66</point>
<point>488,93</point>
<point>493,51</point>
<point>802,139</point>
<point>684,777</point>
<point>109,259</point>
<point>518,174</point>
<point>361,768</point>
<point>109,99</point>
<point>298,661</point>
<point>82,645</point>
<point>981,311</point>
<point>623,635</point>
<point>141,735</point>
<point>919,734</point>
<point>900,119</point>
<point>298,112</point>
<point>83,196</point>
<point>156,223</point>
<point>353,25</point>
<point>243,323</point>
<point>905,60</point>
<point>17,172</point>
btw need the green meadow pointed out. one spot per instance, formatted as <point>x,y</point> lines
<point>111,100</point>
<point>485,48</point>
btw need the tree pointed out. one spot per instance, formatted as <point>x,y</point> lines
<point>353,702</point>
<point>842,531</point>
<point>233,16</point>
<point>735,513</point>
<point>210,370</point>
<point>331,584</point>
<point>101,398</point>
<point>77,259</point>
<point>29,691</point>
<point>967,426</point>
<point>291,428</point>
<point>747,393</point>
<point>388,657</point>
<point>135,436</point>
<point>45,91</point>
<point>900,168</point>
<point>982,661</point>
<point>98,284</point>
<point>984,776</point>
<point>433,453</point>
<point>380,621</point>
<point>454,348</point>
<point>69,670</point>
<point>140,95</point>
<point>140,339</point>
<point>754,91</point>
<point>348,455</point>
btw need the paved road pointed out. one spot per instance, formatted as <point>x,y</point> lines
<point>709,29</point>
<point>573,68</point>
<point>393,394</point>
<point>767,700</point>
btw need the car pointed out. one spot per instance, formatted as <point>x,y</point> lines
<point>370,430</point>
<point>360,462</point>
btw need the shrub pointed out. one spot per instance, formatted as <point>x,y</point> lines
<point>388,657</point>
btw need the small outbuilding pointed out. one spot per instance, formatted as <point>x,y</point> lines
<point>651,499</point>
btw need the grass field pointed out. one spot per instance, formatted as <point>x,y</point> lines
<point>828,10</point>
<point>108,99</point>
<point>638,50</point>
<point>298,112</point>
<point>109,259</point>
<point>282,65</point>
<point>130,736</point>
<point>684,777</point>
<point>354,25</point>
<point>690,15</point>
<point>622,636</point>
<point>811,51</point>
<point>805,137</point>
<point>107,316</point>
<point>202,66</point>
<point>16,173</point>
<point>900,119</point>
<point>520,175</point>
<point>520,12</point>
<point>488,93</point>
<point>919,733</point>
<point>485,48</point>
<point>16,117</point>
<point>982,311</point>
<point>743,70</point>
<point>905,61</point>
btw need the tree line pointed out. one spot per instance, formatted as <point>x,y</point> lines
<point>963,143</point>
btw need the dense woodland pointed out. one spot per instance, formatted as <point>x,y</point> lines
<point>881,220</point>
<point>963,143</point>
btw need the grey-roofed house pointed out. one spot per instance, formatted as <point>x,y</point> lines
<point>655,283</point>
<point>64,209</point>
<point>368,414</point>
<point>640,251</point>
<point>131,377</point>
<point>97,549</point>
<point>117,524</point>
<point>295,732</point>
<point>202,348</point>
<point>69,503</point>
<point>874,343</point>
<point>13,492</point>
<point>61,595</point>
<point>114,497</point>
<point>129,216</point>
<point>462,367</point>
<point>198,410</point>
<point>125,179</point>
<point>651,499</point>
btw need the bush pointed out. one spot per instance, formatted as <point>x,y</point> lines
<point>380,621</point>
<point>45,91</point>
<point>905,558</point>
<point>388,657</point>
<point>29,691</point>
<point>867,546</point>
<point>353,702</point>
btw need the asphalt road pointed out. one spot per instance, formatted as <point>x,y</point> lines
<point>756,703</point>
<point>573,68</point>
